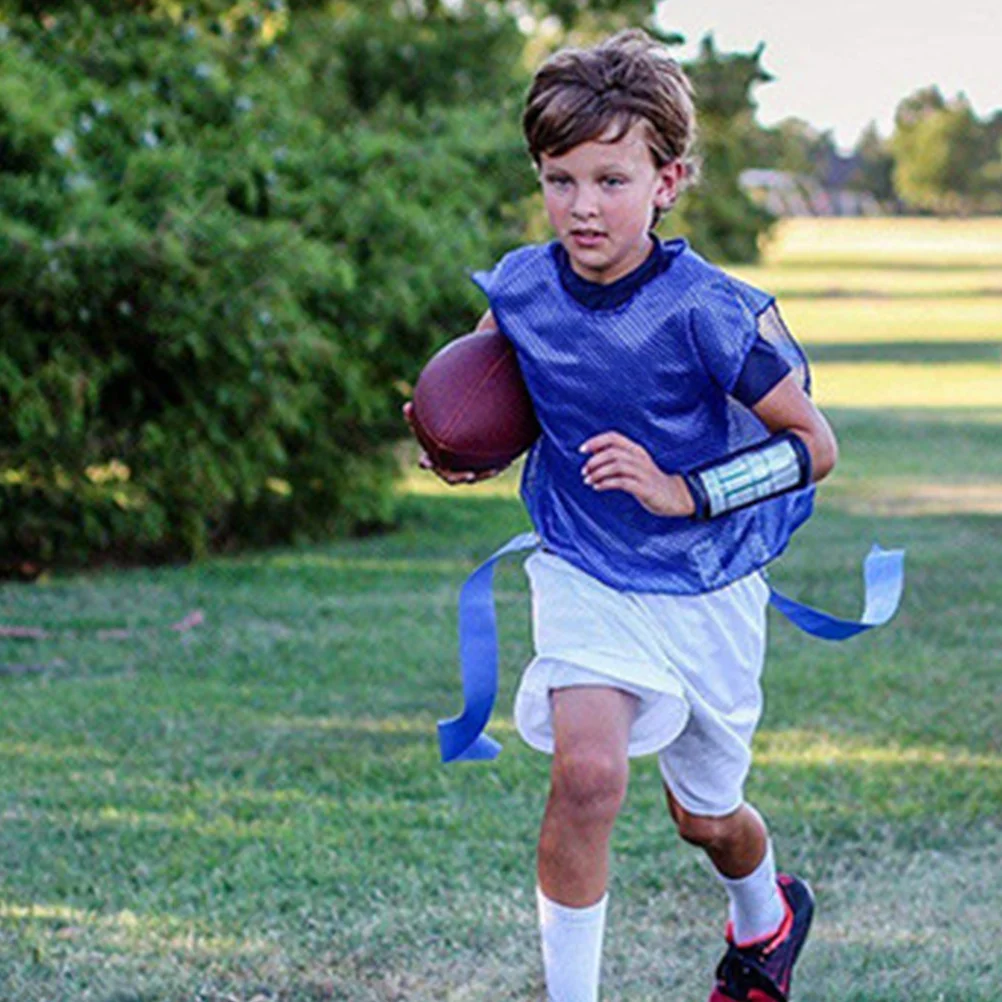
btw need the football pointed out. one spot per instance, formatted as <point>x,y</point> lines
<point>471,409</point>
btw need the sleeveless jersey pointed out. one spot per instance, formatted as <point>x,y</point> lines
<point>659,369</point>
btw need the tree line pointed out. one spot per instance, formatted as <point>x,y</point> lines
<point>941,157</point>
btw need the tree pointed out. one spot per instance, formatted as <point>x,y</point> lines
<point>940,151</point>
<point>919,105</point>
<point>222,255</point>
<point>875,171</point>
<point>794,146</point>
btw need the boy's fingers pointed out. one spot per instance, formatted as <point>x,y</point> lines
<point>604,459</point>
<point>487,474</point>
<point>616,473</point>
<point>605,441</point>
<point>457,476</point>
<point>609,470</point>
<point>618,483</point>
<point>453,476</point>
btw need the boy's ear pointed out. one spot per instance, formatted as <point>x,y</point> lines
<point>670,178</point>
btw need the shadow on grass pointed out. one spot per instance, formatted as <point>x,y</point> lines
<point>842,785</point>
<point>434,533</point>
<point>920,352</point>
<point>951,445</point>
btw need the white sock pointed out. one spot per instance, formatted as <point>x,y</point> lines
<point>572,948</point>
<point>757,909</point>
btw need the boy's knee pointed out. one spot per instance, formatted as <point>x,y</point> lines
<point>590,782</point>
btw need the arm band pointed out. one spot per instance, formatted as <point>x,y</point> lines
<point>776,466</point>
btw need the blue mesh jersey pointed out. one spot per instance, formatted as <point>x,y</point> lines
<point>660,369</point>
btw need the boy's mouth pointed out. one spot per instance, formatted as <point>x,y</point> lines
<point>587,238</point>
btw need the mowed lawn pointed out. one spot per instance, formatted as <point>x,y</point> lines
<point>253,808</point>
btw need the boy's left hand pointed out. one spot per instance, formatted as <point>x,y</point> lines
<point>618,464</point>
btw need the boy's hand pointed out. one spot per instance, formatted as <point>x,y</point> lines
<point>451,477</point>
<point>618,464</point>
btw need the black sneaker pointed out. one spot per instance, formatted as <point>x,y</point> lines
<point>761,971</point>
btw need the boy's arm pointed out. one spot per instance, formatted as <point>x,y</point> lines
<point>801,450</point>
<point>617,463</point>
<point>787,408</point>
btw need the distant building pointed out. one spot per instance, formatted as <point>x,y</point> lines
<point>786,194</point>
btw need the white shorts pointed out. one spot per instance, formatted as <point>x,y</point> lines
<point>693,661</point>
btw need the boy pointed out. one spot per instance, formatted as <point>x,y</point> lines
<point>677,456</point>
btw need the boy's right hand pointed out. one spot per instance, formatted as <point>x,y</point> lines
<point>451,477</point>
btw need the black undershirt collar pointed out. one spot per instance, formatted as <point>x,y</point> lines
<point>595,295</point>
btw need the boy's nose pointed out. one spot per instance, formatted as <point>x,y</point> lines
<point>585,204</point>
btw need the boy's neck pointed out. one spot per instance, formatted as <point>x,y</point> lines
<point>652,246</point>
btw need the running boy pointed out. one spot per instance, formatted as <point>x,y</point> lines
<point>676,458</point>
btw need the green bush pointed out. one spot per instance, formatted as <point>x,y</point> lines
<point>215,277</point>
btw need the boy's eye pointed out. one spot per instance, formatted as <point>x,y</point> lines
<point>614,182</point>
<point>558,180</point>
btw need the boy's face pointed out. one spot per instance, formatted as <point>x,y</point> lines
<point>600,198</point>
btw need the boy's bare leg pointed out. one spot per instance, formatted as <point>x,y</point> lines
<point>588,782</point>
<point>738,847</point>
<point>587,787</point>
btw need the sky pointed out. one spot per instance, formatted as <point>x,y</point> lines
<point>842,65</point>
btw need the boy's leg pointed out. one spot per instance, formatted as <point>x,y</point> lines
<point>738,846</point>
<point>770,914</point>
<point>591,728</point>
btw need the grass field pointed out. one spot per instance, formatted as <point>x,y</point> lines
<point>252,809</point>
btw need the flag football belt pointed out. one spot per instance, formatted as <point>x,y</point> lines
<point>463,737</point>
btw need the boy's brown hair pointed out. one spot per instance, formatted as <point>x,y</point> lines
<point>582,95</point>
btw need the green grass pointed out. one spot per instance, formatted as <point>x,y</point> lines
<point>808,280</point>
<point>868,320</point>
<point>906,244</point>
<point>253,809</point>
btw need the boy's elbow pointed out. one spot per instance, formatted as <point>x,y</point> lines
<point>824,454</point>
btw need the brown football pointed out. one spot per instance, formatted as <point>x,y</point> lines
<point>471,408</point>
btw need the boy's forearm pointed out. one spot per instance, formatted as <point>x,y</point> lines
<point>786,408</point>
